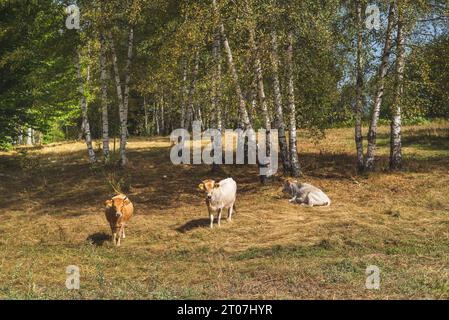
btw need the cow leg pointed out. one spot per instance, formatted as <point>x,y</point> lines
<point>211,215</point>
<point>307,202</point>
<point>230,213</point>
<point>219,216</point>
<point>113,233</point>
<point>303,199</point>
<point>119,235</point>
<point>123,232</point>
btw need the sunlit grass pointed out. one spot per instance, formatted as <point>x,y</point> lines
<point>52,216</point>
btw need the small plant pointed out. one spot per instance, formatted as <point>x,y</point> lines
<point>118,184</point>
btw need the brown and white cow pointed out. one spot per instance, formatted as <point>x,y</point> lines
<point>119,210</point>
<point>219,195</point>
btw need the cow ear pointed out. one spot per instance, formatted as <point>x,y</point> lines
<point>127,201</point>
<point>216,185</point>
<point>201,186</point>
<point>108,203</point>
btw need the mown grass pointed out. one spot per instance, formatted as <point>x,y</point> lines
<point>52,217</point>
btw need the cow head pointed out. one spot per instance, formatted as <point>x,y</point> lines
<point>208,186</point>
<point>117,203</point>
<point>288,185</point>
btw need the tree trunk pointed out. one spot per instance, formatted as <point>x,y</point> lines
<point>156,119</point>
<point>20,137</point>
<point>198,114</point>
<point>145,111</point>
<point>216,92</point>
<point>89,54</point>
<point>123,99</point>
<point>81,134</point>
<point>279,120</point>
<point>252,95</point>
<point>162,114</point>
<point>29,137</point>
<point>83,105</point>
<point>128,71</point>
<point>383,68</point>
<point>359,89</point>
<point>244,118</point>
<point>218,84</point>
<point>104,98</point>
<point>262,99</point>
<point>184,93</point>
<point>294,162</point>
<point>38,138</point>
<point>190,104</point>
<point>395,139</point>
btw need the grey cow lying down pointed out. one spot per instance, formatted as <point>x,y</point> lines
<point>305,194</point>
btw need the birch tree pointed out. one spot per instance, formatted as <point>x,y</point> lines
<point>280,125</point>
<point>359,88</point>
<point>184,93</point>
<point>383,68</point>
<point>216,91</point>
<point>244,117</point>
<point>395,137</point>
<point>83,104</point>
<point>104,98</point>
<point>29,137</point>
<point>261,96</point>
<point>122,99</point>
<point>216,52</point>
<point>294,162</point>
<point>190,104</point>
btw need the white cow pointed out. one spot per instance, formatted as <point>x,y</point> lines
<point>219,195</point>
<point>305,194</point>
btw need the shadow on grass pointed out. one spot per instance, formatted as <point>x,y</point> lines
<point>194,224</point>
<point>99,238</point>
<point>154,183</point>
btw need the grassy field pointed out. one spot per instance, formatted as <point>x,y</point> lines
<point>52,216</point>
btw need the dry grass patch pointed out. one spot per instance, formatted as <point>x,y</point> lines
<point>52,216</point>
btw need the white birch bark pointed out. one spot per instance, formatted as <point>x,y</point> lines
<point>217,83</point>
<point>261,97</point>
<point>145,111</point>
<point>83,105</point>
<point>190,105</point>
<point>29,137</point>
<point>245,122</point>
<point>294,162</point>
<point>123,98</point>
<point>104,98</point>
<point>383,68</point>
<point>283,147</point>
<point>156,118</point>
<point>359,89</point>
<point>184,93</point>
<point>395,139</point>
